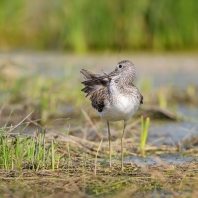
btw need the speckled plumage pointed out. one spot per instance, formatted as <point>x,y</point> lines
<point>114,96</point>
<point>109,93</point>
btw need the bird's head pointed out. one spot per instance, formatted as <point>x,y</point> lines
<point>125,68</point>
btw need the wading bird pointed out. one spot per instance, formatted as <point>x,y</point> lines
<point>114,96</point>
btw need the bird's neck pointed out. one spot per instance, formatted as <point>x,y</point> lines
<point>122,81</point>
<point>119,84</point>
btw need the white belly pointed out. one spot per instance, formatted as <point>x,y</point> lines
<point>122,108</point>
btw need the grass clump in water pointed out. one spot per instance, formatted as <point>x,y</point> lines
<point>144,133</point>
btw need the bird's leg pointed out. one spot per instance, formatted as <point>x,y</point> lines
<point>109,136</point>
<point>122,147</point>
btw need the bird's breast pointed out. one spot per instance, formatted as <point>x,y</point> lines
<point>125,105</point>
<point>120,108</point>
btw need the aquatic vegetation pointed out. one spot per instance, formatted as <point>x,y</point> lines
<point>144,133</point>
<point>86,26</point>
<point>162,99</point>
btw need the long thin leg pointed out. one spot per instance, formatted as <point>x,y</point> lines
<point>122,147</point>
<point>109,134</point>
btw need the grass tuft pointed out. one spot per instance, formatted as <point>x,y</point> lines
<point>144,133</point>
<point>30,152</point>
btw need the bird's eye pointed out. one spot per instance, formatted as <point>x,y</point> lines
<point>120,66</point>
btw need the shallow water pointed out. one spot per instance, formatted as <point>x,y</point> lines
<point>172,133</point>
<point>162,159</point>
<point>190,112</point>
<point>179,69</point>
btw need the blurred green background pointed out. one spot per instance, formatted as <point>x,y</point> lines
<point>87,25</point>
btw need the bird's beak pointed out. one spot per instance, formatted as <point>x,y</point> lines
<point>113,73</point>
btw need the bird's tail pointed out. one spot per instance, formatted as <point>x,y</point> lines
<point>93,82</point>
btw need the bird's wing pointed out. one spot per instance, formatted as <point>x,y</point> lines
<point>95,86</point>
<point>93,82</point>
